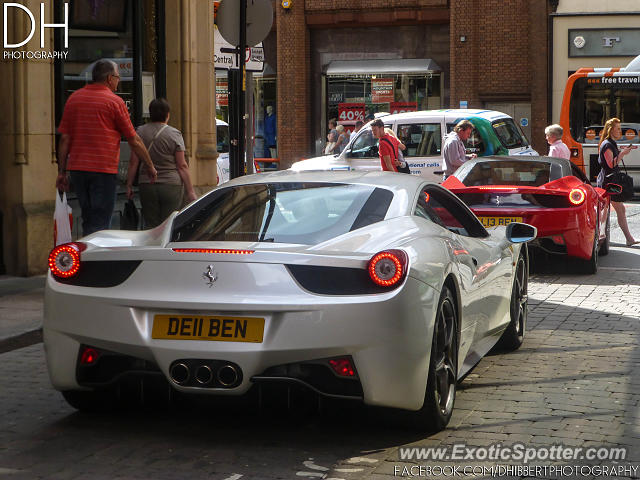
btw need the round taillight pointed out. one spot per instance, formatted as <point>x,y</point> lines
<point>388,268</point>
<point>64,260</point>
<point>577,196</point>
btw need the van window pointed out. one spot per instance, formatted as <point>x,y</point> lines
<point>366,145</point>
<point>509,134</point>
<point>474,143</point>
<point>421,139</point>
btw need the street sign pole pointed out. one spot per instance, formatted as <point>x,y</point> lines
<point>260,17</point>
<point>238,156</point>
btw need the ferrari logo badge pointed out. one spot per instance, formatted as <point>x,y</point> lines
<point>210,275</point>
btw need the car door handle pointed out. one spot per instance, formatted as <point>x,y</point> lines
<point>475,261</point>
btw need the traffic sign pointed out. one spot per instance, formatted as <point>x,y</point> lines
<point>259,20</point>
<point>254,56</point>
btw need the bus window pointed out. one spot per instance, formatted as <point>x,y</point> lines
<point>592,104</point>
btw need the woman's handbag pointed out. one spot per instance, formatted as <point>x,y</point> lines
<point>624,180</point>
<point>403,168</point>
<point>62,220</point>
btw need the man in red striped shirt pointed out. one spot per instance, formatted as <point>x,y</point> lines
<point>93,122</point>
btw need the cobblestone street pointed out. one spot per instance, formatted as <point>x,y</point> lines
<point>574,382</point>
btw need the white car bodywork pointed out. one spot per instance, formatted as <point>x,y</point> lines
<point>388,335</point>
<point>424,156</point>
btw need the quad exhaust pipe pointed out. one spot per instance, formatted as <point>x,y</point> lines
<point>200,373</point>
<point>227,375</point>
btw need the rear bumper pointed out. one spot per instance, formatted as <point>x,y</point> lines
<point>388,336</point>
<point>573,224</point>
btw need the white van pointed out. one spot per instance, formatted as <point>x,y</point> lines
<point>495,133</point>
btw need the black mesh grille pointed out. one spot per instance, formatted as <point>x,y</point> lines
<point>334,280</point>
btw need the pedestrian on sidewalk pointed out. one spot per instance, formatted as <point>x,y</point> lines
<point>166,147</point>
<point>93,122</point>
<point>557,148</point>
<point>609,157</point>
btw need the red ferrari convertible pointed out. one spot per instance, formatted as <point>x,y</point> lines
<point>552,194</point>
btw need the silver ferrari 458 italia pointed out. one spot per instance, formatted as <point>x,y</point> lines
<point>375,286</point>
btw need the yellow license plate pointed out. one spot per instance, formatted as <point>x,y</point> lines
<point>203,327</point>
<point>489,222</point>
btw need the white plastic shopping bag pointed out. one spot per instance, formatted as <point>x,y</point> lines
<point>62,220</point>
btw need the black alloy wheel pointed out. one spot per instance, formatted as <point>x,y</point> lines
<point>513,336</point>
<point>591,266</point>
<point>443,366</point>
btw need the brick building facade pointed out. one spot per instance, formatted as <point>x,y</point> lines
<point>493,54</point>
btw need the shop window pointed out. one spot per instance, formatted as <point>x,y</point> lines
<point>383,93</point>
<point>124,32</point>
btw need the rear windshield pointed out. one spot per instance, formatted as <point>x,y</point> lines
<point>509,134</point>
<point>509,172</point>
<point>303,213</point>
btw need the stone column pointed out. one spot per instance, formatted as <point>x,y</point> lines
<point>27,182</point>
<point>191,85</point>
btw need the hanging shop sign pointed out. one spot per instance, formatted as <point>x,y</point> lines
<point>222,93</point>
<point>401,107</point>
<point>382,90</point>
<point>350,113</point>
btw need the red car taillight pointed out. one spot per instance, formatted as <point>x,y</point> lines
<point>577,196</point>
<point>64,260</point>
<point>388,268</point>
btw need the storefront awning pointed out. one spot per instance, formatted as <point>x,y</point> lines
<point>397,66</point>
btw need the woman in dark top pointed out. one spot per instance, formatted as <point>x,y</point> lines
<point>609,157</point>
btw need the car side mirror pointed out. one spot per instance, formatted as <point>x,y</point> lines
<point>520,232</point>
<point>613,189</point>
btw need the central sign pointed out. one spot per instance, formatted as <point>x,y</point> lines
<point>254,56</point>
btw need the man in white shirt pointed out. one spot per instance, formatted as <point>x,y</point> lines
<point>557,148</point>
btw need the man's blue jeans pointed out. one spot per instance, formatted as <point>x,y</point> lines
<point>97,197</point>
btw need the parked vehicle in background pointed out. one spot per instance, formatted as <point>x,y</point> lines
<point>222,137</point>
<point>552,194</point>
<point>494,133</point>
<point>591,97</point>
